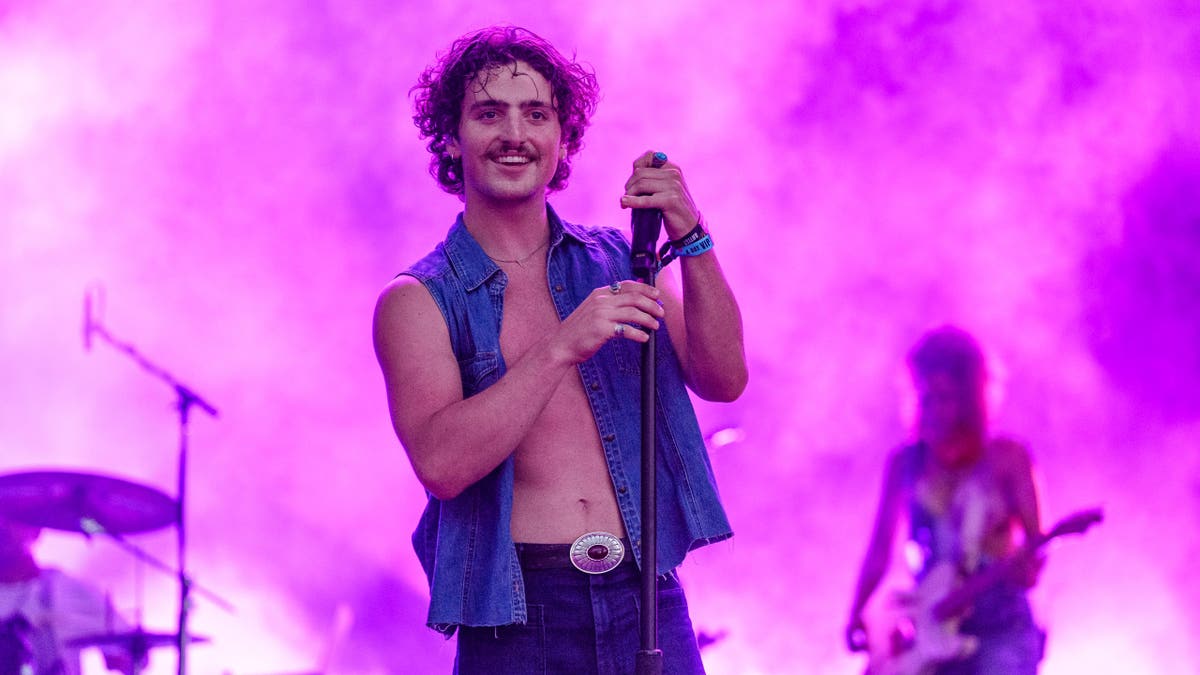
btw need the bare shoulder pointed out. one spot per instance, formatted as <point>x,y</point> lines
<point>413,346</point>
<point>1009,453</point>
<point>402,296</point>
<point>403,305</point>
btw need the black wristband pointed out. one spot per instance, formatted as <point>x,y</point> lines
<point>692,237</point>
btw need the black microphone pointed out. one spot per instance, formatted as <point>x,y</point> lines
<point>647,224</point>
<point>87,321</point>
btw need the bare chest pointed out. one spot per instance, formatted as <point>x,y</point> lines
<point>561,483</point>
<point>529,313</point>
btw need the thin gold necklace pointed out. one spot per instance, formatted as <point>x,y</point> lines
<point>520,261</point>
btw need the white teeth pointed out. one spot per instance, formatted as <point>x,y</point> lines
<point>512,159</point>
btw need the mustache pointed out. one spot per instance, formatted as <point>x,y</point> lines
<point>506,148</point>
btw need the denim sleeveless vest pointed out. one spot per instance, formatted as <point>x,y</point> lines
<point>464,544</point>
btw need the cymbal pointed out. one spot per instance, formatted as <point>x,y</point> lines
<point>62,500</point>
<point>133,640</point>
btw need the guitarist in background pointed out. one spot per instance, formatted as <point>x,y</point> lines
<point>969,499</point>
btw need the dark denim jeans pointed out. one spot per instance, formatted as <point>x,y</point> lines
<point>582,624</point>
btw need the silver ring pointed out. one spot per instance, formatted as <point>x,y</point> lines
<point>597,552</point>
<point>619,329</point>
<point>614,287</point>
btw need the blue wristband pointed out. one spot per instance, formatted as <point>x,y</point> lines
<point>701,245</point>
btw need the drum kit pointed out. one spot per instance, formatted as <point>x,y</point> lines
<point>91,504</point>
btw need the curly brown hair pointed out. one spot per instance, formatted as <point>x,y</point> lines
<point>440,90</point>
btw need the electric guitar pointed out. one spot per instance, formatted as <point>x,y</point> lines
<point>937,605</point>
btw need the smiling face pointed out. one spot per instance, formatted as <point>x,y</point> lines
<point>509,138</point>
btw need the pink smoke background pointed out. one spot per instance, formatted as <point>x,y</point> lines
<point>242,178</point>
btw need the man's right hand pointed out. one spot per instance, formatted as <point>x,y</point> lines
<point>608,312</point>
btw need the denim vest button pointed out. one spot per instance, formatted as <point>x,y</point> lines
<point>610,438</point>
<point>595,386</point>
<point>558,288</point>
<point>622,489</point>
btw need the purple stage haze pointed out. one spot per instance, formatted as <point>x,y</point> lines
<point>242,178</point>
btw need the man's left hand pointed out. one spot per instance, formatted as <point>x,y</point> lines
<point>663,188</point>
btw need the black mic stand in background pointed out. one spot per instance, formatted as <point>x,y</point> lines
<point>647,224</point>
<point>186,398</point>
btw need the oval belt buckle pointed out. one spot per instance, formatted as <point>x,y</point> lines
<point>597,552</point>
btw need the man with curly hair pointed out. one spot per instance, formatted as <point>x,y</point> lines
<point>510,356</point>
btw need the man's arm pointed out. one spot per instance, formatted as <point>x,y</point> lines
<point>706,324</point>
<point>452,442</point>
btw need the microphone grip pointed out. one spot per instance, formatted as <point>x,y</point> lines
<point>647,225</point>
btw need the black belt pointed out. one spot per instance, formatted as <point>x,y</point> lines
<point>558,556</point>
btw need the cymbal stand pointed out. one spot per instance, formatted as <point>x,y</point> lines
<point>186,398</point>
<point>90,526</point>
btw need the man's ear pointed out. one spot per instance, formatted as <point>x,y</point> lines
<point>452,148</point>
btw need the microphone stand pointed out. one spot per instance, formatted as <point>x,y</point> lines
<point>186,398</point>
<point>647,223</point>
<point>649,657</point>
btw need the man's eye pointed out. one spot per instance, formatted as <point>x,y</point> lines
<point>488,115</point>
<point>539,115</point>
